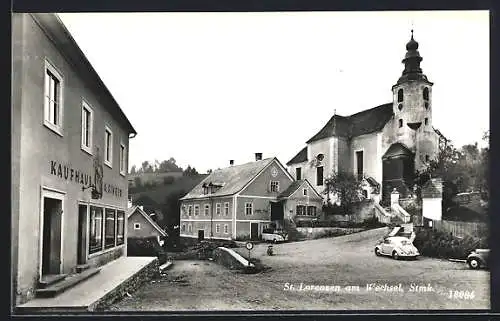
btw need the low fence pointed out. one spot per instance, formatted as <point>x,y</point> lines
<point>462,229</point>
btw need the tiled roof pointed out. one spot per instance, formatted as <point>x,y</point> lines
<point>364,122</point>
<point>397,149</point>
<point>291,189</point>
<point>300,157</point>
<point>233,179</point>
<point>135,208</point>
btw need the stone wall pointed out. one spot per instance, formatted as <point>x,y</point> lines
<point>147,273</point>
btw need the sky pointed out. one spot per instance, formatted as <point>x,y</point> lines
<point>206,88</point>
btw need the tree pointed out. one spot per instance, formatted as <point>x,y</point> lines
<point>347,188</point>
<point>148,204</point>
<point>172,215</point>
<point>190,171</point>
<point>133,170</point>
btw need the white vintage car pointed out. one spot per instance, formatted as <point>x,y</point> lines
<point>275,236</point>
<point>397,247</point>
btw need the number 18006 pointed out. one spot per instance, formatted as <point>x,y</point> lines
<point>462,295</point>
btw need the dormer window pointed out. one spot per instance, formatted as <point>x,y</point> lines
<point>426,93</point>
<point>400,95</point>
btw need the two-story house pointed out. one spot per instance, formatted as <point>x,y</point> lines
<point>239,201</point>
<point>70,142</point>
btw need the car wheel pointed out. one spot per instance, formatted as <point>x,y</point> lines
<point>395,255</point>
<point>474,264</point>
<point>377,251</point>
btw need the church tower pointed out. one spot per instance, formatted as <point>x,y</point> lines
<point>412,106</point>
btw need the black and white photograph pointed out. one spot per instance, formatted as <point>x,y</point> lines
<point>250,161</point>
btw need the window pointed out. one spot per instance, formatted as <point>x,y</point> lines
<point>196,210</point>
<point>217,228</point>
<point>183,228</point>
<point>120,227</point>
<point>400,95</point>
<point>275,186</point>
<point>87,125</point>
<point>53,99</point>
<point>359,164</point>
<point>226,229</point>
<point>207,209</point>
<point>400,123</point>
<point>217,208</point>
<point>184,211</point>
<point>298,173</point>
<point>190,210</point>
<point>226,209</point>
<point>248,208</point>
<point>109,228</point>
<point>319,176</point>
<point>311,210</point>
<point>426,121</point>
<point>95,239</point>
<point>123,164</point>
<point>108,147</point>
<point>304,192</point>
<point>426,105</point>
<point>300,210</point>
<point>190,228</point>
<point>427,158</point>
<point>137,226</point>
<point>400,107</point>
<point>426,93</point>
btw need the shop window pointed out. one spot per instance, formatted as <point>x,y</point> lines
<point>109,230</point>
<point>95,239</point>
<point>120,227</point>
<point>53,99</point>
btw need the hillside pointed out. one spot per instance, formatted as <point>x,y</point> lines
<point>161,192</point>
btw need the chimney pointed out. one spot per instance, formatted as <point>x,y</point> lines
<point>258,156</point>
<point>231,162</point>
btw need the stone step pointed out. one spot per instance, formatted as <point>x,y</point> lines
<point>48,280</point>
<point>70,281</point>
<point>82,267</point>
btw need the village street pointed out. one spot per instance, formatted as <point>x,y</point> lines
<point>341,261</point>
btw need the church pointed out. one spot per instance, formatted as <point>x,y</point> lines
<point>383,146</point>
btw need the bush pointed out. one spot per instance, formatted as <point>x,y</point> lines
<point>146,247</point>
<point>439,244</point>
<point>167,180</point>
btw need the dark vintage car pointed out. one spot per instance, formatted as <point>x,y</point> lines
<point>478,258</point>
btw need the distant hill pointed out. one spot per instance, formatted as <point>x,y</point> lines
<point>157,178</point>
<point>160,192</point>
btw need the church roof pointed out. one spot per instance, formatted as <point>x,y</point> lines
<point>299,158</point>
<point>364,122</point>
<point>396,150</point>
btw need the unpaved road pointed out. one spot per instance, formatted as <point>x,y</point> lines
<point>340,262</point>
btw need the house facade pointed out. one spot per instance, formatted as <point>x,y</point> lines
<point>141,225</point>
<point>69,160</point>
<point>239,201</point>
<point>382,146</point>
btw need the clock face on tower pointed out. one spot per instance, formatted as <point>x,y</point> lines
<point>274,171</point>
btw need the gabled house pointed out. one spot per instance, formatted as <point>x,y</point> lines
<point>239,201</point>
<point>141,225</point>
<point>382,146</point>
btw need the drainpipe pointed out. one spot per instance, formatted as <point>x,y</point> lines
<point>211,217</point>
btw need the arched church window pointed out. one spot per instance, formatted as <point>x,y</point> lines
<point>426,93</point>
<point>426,105</point>
<point>400,106</point>
<point>426,121</point>
<point>400,123</point>
<point>400,95</point>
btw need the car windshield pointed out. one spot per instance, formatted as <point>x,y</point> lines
<point>404,242</point>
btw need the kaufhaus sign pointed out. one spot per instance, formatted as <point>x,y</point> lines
<point>68,173</point>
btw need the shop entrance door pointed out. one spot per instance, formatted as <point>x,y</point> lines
<point>52,237</point>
